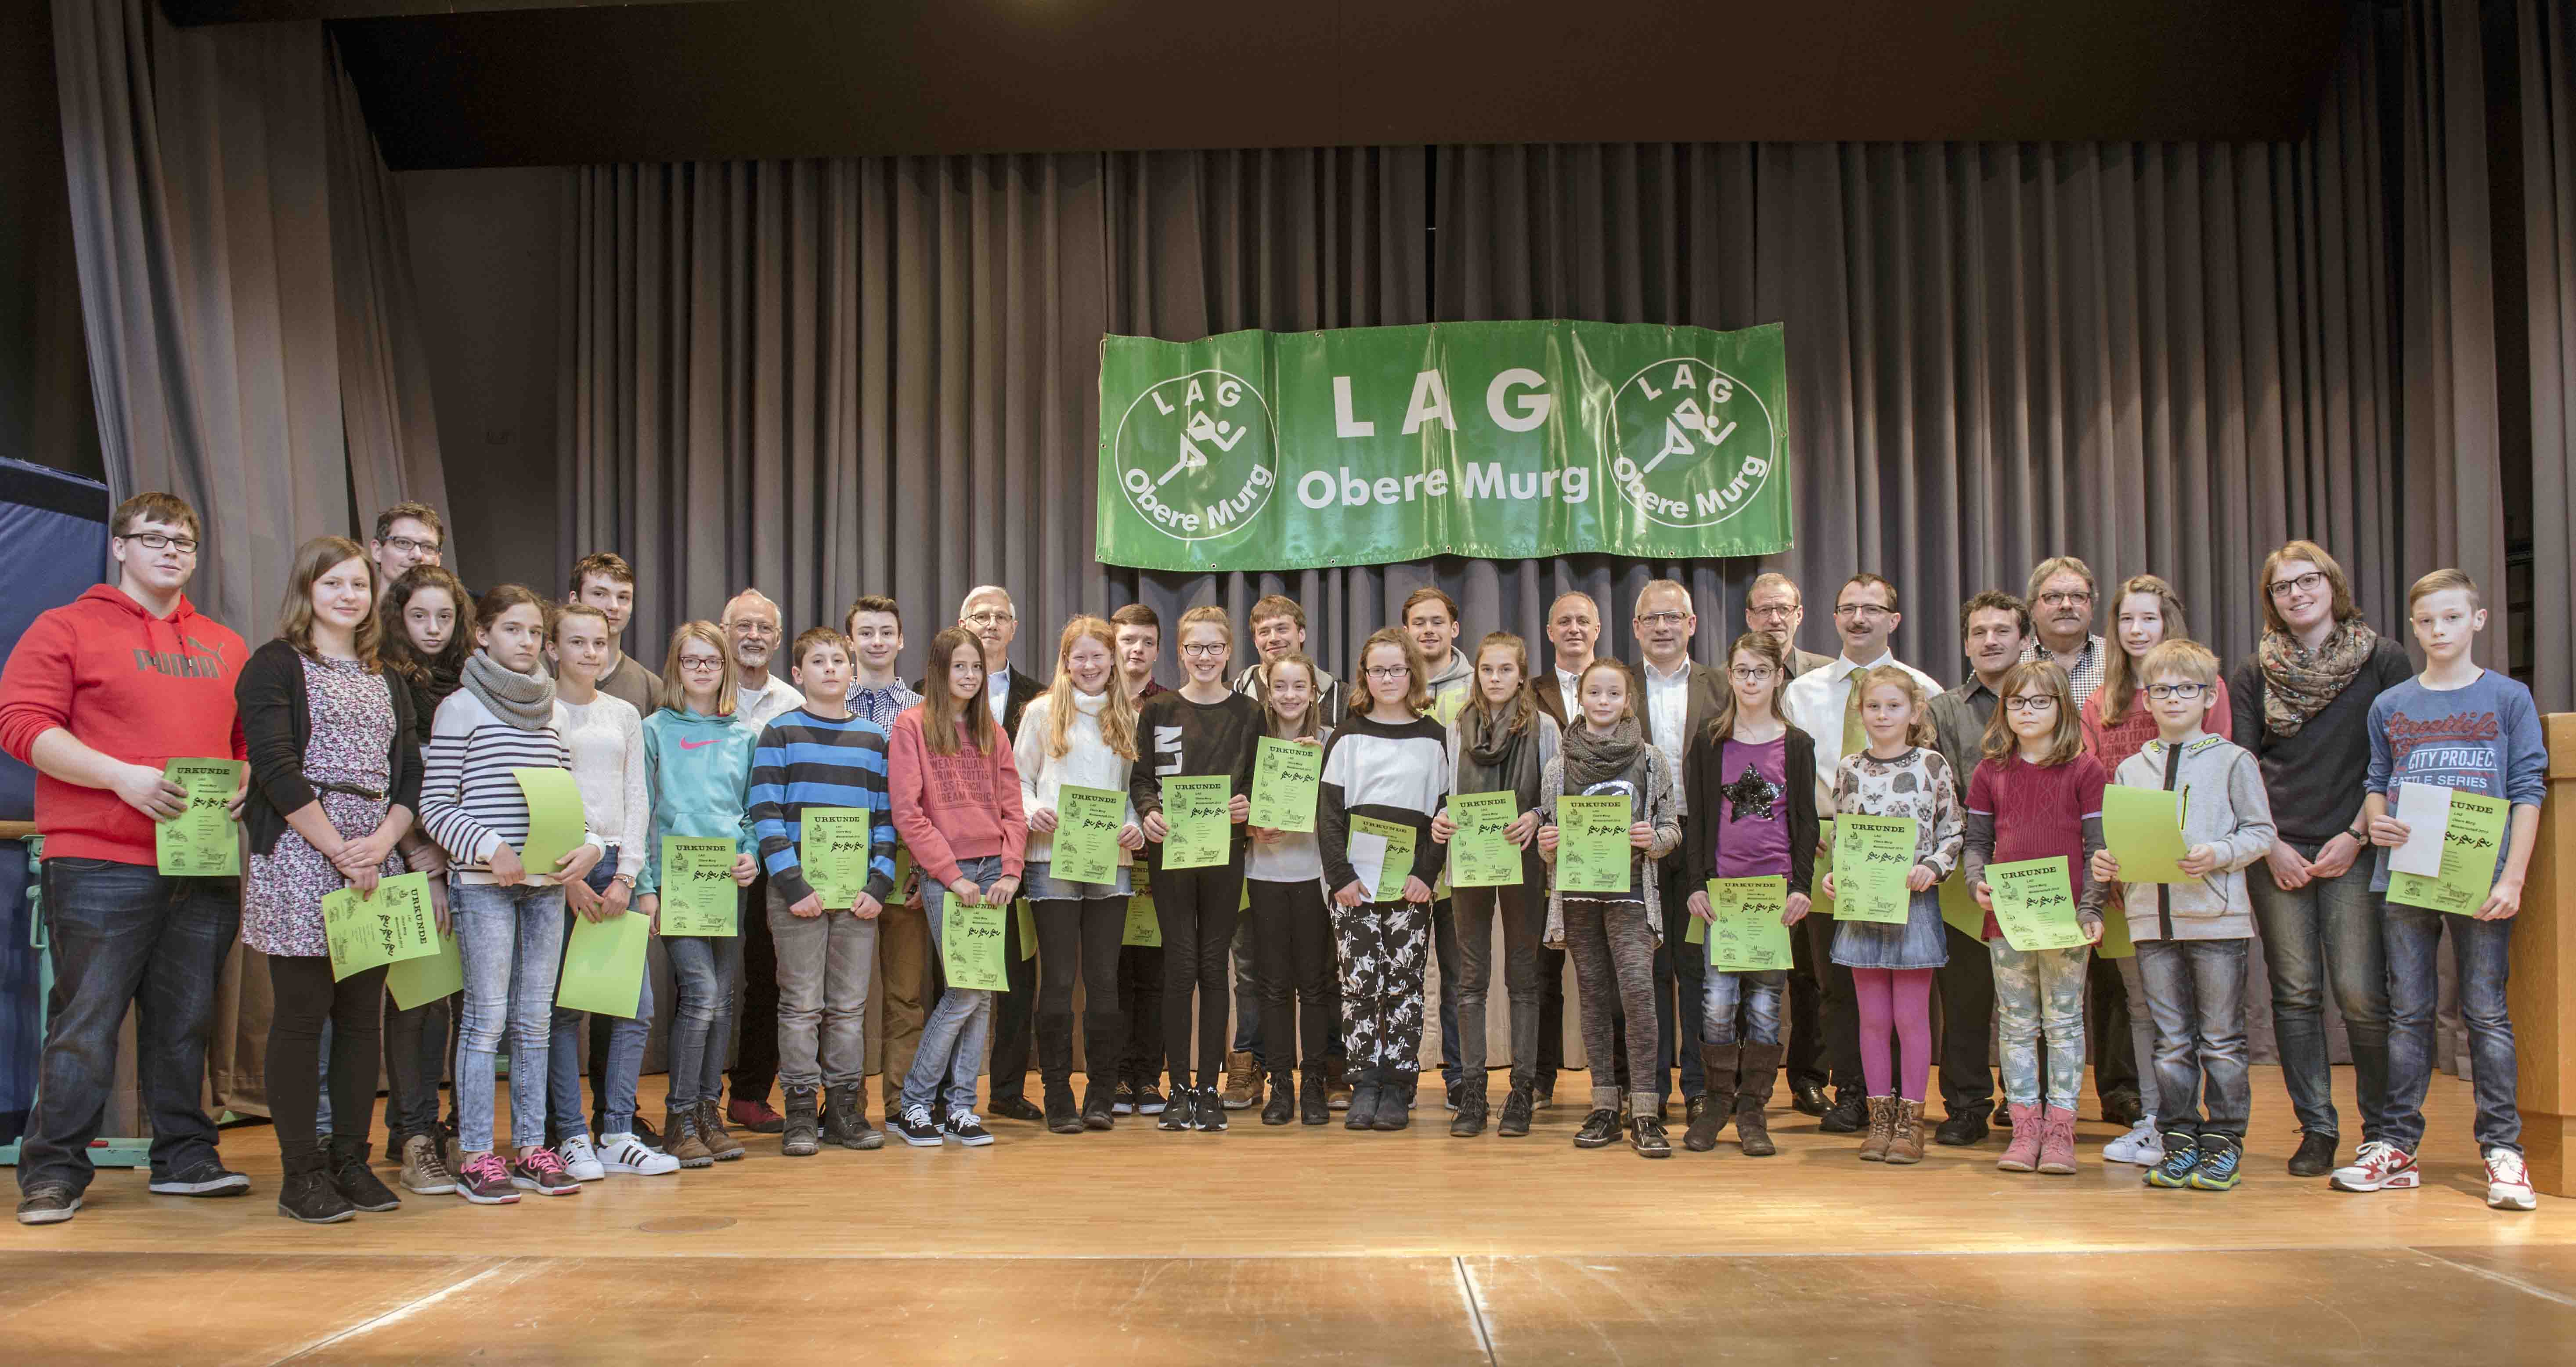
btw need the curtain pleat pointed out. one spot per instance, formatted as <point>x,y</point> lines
<point>2546,45</point>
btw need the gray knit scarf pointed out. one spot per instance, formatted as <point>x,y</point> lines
<point>526,701</point>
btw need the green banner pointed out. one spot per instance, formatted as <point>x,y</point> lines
<point>1361,446</point>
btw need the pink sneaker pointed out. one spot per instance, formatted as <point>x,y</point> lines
<point>540,1171</point>
<point>2056,1142</point>
<point>485,1180</point>
<point>2022,1154</point>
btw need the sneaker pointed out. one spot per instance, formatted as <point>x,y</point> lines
<point>1209,1110</point>
<point>307,1195</point>
<point>205,1177</point>
<point>1242,1081</point>
<point>424,1168</point>
<point>2179,1154</point>
<point>627,1154</point>
<point>541,1171</point>
<point>967,1128</point>
<point>1148,1100</point>
<point>1124,1102</point>
<point>1176,1115</point>
<point>1543,1096</point>
<point>1016,1108</point>
<point>2508,1181</point>
<point>644,1133</point>
<point>918,1129</point>
<point>485,1180</point>
<point>50,1203</point>
<point>2217,1168</point>
<point>580,1160</point>
<point>1599,1129</point>
<point>2143,1145</point>
<point>2379,1166</point>
<point>1848,1115</point>
<point>754,1115</point>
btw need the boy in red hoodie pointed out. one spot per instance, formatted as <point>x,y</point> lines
<point>97,696</point>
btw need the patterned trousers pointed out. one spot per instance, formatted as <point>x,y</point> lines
<point>1383,946</point>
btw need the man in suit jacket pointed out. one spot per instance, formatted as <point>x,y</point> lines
<point>1675,698</point>
<point>1574,628</point>
<point>1775,608</point>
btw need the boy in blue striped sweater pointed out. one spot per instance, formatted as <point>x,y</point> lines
<point>813,757</point>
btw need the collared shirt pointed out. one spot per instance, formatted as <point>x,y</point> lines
<point>997,691</point>
<point>2087,673</point>
<point>882,704</point>
<point>771,700</point>
<point>1668,708</point>
<point>1959,720</point>
<point>1815,700</point>
<point>1565,689</point>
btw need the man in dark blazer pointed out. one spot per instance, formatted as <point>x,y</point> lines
<point>1674,697</point>
<point>1574,628</point>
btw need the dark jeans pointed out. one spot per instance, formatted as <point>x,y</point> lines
<point>1293,955</point>
<point>305,997</point>
<point>123,934</point>
<point>1804,1059</point>
<point>2195,989</point>
<point>1551,1018</point>
<point>2112,1042</point>
<point>2328,935</point>
<point>1140,1005</point>
<point>1966,985</point>
<point>1197,910</point>
<point>755,1006</point>
<point>1681,980</point>
<point>2482,950</point>
<point>1079,940</point>
<point>417,1047</point>
<point>1012,1015</point>
<point>1837,1011</point>
<point>1444,950</point>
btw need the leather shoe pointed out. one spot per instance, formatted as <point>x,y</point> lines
<point>2316,1155</point>
<point>1848,1115</point>
<point>1808,1098</point>
<point>1961,1131</point>
<point>1015,1108</point>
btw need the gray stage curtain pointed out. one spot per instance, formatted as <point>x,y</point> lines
<point>2546,58</point>
<point>245,299</point>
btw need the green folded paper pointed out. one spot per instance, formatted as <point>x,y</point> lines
<point>1198,830</point>
<point>603,966</point>
<point>434,976</point>
<point>555,823</point>
<point>1873,856</point>
<point>1084,848</point>
<point>2142,827</point>
<point>1480,856</point>
<point>2035,904</point>
<point>392,924</point>
<point>1286,777</point>
<point>970,945</point>
<point>2472,844</point>
<point>832,850</point>
<point>203,840</point>
<point>1592,849</point>
<point>699,896</point>
<point>1744,930</point>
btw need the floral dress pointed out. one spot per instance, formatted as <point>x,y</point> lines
<point>353,731</point>
<point>1915,784</point>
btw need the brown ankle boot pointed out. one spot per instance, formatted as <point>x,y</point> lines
<point>680,1137</point>
<point>1906,1145</point>
<point>1756,1071</point>
<point>1882,1129</point>
<point>721,1145</point>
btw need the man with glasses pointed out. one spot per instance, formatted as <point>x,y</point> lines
<point>97,695</point>
<point>1774,607</point>
<point>752,626</point>
<point>1824,704</point>
<point>1996,627</point>
<point>1680,695</point>
<point>407,534</point>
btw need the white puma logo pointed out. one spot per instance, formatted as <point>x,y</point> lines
<point>1167,741</point>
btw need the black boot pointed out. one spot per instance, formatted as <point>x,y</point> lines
<point>1062,1116</point>
<point>1055,1072</point>
<point>1314,1101</point>
<point>1283,1098</point>
<point>1472,1110</point>
<point>845,1119</point>
<point>1717,1105</point>
<point>802,1135</point>
<point>1099,1103</point>
<point>1395,1100</point>
<point>307,1194</point>
<point>1362,1114</point>
<point>356,1183</point>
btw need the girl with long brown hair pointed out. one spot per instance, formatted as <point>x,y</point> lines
<point>1283,877</point>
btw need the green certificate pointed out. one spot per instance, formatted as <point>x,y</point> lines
<point>1087,822</point>
<point>970,945</point>
<point>202,841</point>
<point>698,892</point>
<point>1744,930</point>
<point>1144,924</point>
<point>1285,779</point>
<point>555,823</point>
<point>1479,856</point>
<point>1197,830</point>
<point>2471,844</point>
<point>603,965</point>
<point>1028,929</point>
<point>2035,904</point>
<point>1381,852</point>
<point>1592,849</point>
<point>394,924</point>
<point>2143,829</point>
<point>434,976</point>
<point>832,848</point>
<point>1959,906</point>
<point>1872,856</point>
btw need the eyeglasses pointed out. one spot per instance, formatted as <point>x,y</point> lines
<point>1389,672</point>
<point>2184,691</point>
<point>700,662</point>
<point>159,541</point>
<point>426,550</point>
<point>2067,600</point>
<point>752,629</point>
<point>1861,610</point>
<point>1204,649</point>
<point>2030,704</point>
<point>1776,612</point>
<point>1661,619</point>
<point>1751,673</point>
<point>2310,582</point>
<point>988,618</point>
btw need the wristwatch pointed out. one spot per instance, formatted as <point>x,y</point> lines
<point>627,878</point>
<point>2359,836</point>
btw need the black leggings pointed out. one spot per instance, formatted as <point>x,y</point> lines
<point>1293,950</point>
<point>306,997</point>
<point>1079,939</point>
<point>1197,909</point>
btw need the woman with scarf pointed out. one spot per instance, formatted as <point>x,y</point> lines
<point>2302,706</point>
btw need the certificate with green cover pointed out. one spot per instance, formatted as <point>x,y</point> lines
<point>434,976</point>
<point>1285,779</point>
<point>970,945</point>
<point>1144,925</point>
<point>1479,855</point>
<point>2471,843</point>
<point>832,849</point>
<point>555,822</point>
<point>1381,852</point>
<point>1197,828</point>
<point>1592,849</point>
<point>603,965</point>
<point>1872,857</point>
<point>1744,930</point>
<point>392,924</point>
<point>2142,827</point>
<point>2035,904</point>
<point>698,892</point>
<point>203,840</point>
<point>1087,822</point>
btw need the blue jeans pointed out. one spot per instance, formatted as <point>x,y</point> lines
<point>511,940</point>
<point>625,1048</point>
<point>1758,994</point>
<point>123,934</point>
<point>2327,934</point>
<point>2482,951</point>
<point>702,972</point>
<point>2195,991</point>
<point>953,1035</point>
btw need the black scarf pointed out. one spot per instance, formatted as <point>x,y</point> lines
<point>1492,759</point>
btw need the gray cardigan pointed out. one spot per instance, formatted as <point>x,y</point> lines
<point>2227,810</point>
<point>1663,812</point>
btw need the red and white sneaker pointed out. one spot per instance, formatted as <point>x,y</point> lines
<point>2509,1182</point>
<point>2380,1166</point>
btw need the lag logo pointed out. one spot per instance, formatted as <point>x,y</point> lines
<point>1694,443</point>
<point>1196,454</point>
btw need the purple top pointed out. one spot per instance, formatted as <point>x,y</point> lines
<point>1753,824</point>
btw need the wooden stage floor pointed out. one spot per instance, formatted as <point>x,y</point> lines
<point>1274,1245</point>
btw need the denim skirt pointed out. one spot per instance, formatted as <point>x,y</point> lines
<point>1039,884</point>
<point>1919,943</point>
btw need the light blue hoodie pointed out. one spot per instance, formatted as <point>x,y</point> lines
<point>700,771</point>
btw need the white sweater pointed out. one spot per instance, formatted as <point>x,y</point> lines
<point>1087,762</point>
<point>606,737</point>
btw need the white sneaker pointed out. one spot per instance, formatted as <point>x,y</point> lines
<point>2380,1166</point>
<point>2143,1145</point>
<point>2509,1182</point>
<point>581,1162</point>
<point>625,1153</point>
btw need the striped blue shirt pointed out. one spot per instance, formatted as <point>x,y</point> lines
<point>808,761</point>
